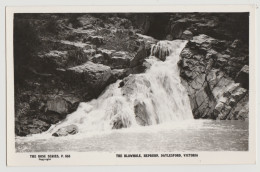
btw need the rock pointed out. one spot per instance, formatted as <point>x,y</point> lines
<point>55,58</point>
<point>241,110</point>
<point>224,112</point>
<point>208,73</point>
<point>236,44</point>
<point>118,124</point>
<point>96,40</point>
<point>118,74</point>
<point>89,26</point>
<point>120,62</point>
<point>161,50</point>
<point>148,42</point>
<point>107,53</point>
<point>115,60</point>
<point>218,25</point>
<point>177,27</point>
<point>187,35</point>
<point>201,97</point>
<point>139,57</point>
<point>22,109</point>
<point>94,77</point>
<point>202,41</point>
<point>90,52</point>
<point>141,114</point>
<point>64,131</point>
<point>25,126</point>
<point>58,105</point>
<point>243,77</point>
<point>98,58</point>
<point>132,82</point>
<point>52,117</point>
<point>169,37</point>
<point>94,74</point>
<point>136,70</point>
<point>104,31</point>
<point>69,45</point>
<point>238,94</point>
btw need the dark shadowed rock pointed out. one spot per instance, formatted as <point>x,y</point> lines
<point>25,126</point>
<point>52,117</point>
<point>236,44</point>
<point>64,131</point>
<point>243,77</point>
<point>120,60</point>
<point>96,40</point>
<point>55,58</point>
<point>139,57</point>
<point>178,27</point>
<point>118,124</point>
<point>98,58</point>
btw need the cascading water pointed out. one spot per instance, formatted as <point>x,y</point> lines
<point>154,97</point>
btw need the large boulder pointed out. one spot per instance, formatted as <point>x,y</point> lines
<point>141,114</point>
<point>90,78</point>
<point>187,35</point>
<point>95,75</point>
<point>58,105</point>
<point>132,84</point>
<point>64,131</point>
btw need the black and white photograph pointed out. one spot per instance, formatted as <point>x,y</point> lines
<point>131,82</point>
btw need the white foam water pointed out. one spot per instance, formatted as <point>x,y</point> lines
<point>159,89</point>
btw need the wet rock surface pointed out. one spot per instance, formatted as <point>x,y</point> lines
<point>64,131</point>
<point>216,80</point>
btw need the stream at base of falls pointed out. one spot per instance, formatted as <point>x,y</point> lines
<point>195,135</point>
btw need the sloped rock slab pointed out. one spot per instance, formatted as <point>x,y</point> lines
<point>64,131</point>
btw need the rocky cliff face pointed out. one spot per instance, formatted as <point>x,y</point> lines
<point>63,59</point>
<point>214,64</point>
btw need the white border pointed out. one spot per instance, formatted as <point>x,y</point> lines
<point>150,9</point>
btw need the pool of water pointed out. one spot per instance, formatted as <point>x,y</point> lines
<point>193,135</point>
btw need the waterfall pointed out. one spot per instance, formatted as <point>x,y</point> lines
<point>154,97</point>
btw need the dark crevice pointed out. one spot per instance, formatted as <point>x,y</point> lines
<point>158,26</point>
